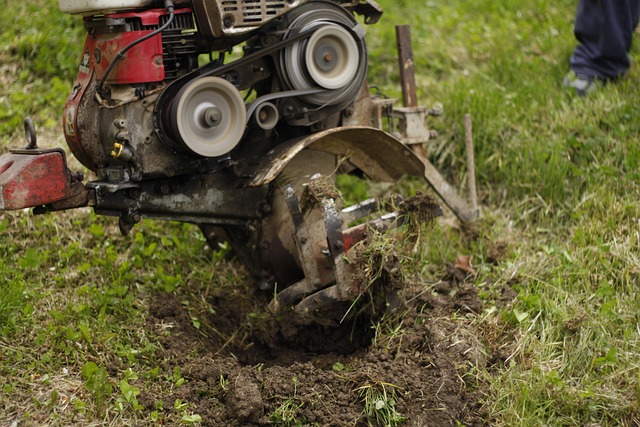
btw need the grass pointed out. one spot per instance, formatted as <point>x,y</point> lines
<point>379,404</point>
<point>558,182</point>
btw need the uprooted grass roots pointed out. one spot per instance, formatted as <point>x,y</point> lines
<point>318,189</point>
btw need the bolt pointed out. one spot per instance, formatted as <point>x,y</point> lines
<point>164,189</point>
<point>328,57</point>
<point>158,60</point>
<point>212,117</point>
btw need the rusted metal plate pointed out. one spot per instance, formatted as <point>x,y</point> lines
<point>379,155</point>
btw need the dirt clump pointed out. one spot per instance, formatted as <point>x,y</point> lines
<point>245,398</point>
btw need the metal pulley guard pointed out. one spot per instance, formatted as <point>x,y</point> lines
<point>377,154</point>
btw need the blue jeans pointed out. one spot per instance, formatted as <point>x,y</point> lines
<point>604,29</point>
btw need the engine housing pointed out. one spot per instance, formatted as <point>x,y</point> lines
<point>161,109</point>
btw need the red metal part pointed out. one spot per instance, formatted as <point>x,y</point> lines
<point>353,235</point>
<point>28,180</point>
<point>141,64</point>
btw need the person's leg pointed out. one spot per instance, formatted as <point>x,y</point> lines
<point>604,29</point>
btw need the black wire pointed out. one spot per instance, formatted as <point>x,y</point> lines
<point>170,9</point>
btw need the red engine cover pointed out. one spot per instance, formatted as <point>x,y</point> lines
<point>142,63</point>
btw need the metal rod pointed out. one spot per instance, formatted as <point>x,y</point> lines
<point>471,167</point>
<point>406,66</point>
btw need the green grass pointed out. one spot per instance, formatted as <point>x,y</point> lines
<point>558,181</point>
<point>39,50</point>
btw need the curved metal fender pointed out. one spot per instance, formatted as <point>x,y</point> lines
<point>376,153</point>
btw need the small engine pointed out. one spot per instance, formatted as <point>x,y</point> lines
<point>158,94</point>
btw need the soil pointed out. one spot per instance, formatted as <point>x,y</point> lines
<point>246,369</point>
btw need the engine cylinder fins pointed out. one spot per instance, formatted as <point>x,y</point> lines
<point>333,58</point>
<point>208,116</point>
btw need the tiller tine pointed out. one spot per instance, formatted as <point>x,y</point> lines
<point>323,247</point>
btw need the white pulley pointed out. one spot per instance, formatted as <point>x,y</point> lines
<point>209,116</point>
<point>331,57</point>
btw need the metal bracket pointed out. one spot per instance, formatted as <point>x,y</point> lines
<point>412,131</point>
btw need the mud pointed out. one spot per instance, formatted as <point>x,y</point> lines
<point>243,369</point>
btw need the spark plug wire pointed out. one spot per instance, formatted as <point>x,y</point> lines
<point>168,5</point>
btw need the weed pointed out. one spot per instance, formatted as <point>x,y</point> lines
<point>98,383</point>
<point>128,393</point>
<point>380,404</point>
<point>287,414</point>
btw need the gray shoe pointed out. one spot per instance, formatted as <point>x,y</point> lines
<point>582,85</point>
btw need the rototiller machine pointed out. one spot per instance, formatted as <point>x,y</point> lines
<point>224,113</point>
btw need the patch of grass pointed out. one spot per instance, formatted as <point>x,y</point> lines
<point>12,303</point>
<point>36,69</point>
<point>75,326</point>
<point>287,414</point>
<point>558,181</point>
<point>380,404</point>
